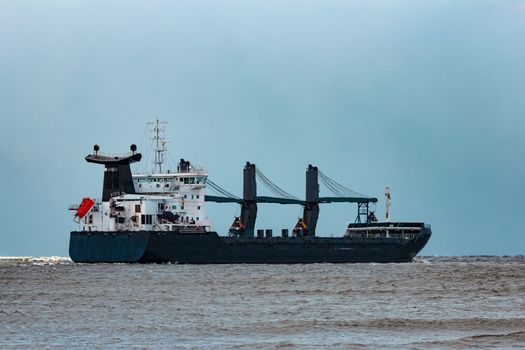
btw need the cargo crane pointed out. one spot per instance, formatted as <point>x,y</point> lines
<point>244,225</point>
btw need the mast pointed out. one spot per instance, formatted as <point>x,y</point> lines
<point>160,144</point>
<point>387,204</point>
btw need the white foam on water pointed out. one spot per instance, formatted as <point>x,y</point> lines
<point>33,260</point>
<point>50,260</point>
<point>421,260</point>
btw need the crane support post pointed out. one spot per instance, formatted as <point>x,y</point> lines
<point>311,207</point>
<point>249,200</point>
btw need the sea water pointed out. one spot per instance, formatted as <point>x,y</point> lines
<point>434,302</point>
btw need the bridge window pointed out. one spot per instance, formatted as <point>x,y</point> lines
<point>137,208</point>
<point>145,219</point>
<point>201,180</point>
<point>198,207</point>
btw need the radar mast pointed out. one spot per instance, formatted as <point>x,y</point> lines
<point>160,143</point>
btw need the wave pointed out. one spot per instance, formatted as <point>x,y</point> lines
<point>503,340</point>
<point>421,260</point>
<point>402,324</point>
<point>471,258</point>
<point>32,260</point>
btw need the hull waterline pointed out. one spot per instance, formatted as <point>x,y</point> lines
<point>210,248</point>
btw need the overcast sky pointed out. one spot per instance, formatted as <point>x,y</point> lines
<point>425,96</point>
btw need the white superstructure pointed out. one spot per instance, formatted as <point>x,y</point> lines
<point>165,200</point>
<point>184,190</point>
<point>134,212</point>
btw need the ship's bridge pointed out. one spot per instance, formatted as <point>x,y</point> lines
<point>185,188</point>
<point>167,183</point>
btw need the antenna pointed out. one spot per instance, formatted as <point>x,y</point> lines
<point>160,143</point>
<point>387,203</point>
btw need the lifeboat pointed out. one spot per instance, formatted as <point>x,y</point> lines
<point>84,207</point>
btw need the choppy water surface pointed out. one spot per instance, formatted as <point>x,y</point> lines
<point>432,303</point>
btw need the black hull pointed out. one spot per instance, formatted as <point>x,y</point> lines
<point>210,248</point>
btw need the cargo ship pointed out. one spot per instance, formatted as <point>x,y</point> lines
<point>159,217</point>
